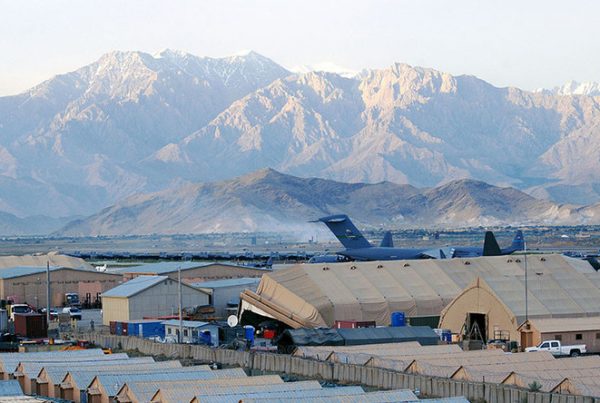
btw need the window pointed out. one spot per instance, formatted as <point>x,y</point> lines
<point>545,345</point>
<point>169,330</point>
<point>185,332</point>
<point>554,344</point>
<point>578,336</point>
<point>558,337</point>
<point>598,335</point>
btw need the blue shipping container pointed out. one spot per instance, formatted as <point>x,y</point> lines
<point>132,329</point>
<point>146,328</point>
<point>119,328</point>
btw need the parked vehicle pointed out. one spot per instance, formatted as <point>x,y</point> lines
<point>555,347</point>
<point>53,313</point>
<point>74,313</point>
<point>72,299</point>
<point>18,308</point>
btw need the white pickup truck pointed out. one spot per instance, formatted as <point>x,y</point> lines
<point>555,347</point>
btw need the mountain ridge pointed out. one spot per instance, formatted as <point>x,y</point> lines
<point>267,200</point>
<point>132,123</point>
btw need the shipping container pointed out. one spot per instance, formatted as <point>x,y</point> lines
<point>118,328</point>
<point>124,326</point>
<point>132,329</point>
<point>31,325</point>
<point>113,327</point>
<point>353,324</point>
<point>146,328</point>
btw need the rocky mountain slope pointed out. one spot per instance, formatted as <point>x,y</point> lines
<point>133,123</point>
<point>267,200</point>
<point>81,135</point>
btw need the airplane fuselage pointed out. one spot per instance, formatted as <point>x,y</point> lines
<point>382,253</point>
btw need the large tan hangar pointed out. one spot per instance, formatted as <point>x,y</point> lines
<point>148,296</point>
<point>193,271</point>
<point>27,284</point>
<point>498,305</point>
<point>316,295</point>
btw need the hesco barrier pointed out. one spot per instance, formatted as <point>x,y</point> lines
<point>351,374</point>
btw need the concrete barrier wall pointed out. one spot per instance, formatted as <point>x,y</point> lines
<point>341,373</point>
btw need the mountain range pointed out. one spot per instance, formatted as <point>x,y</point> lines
<point>268,200</point>
<point>132,123</point>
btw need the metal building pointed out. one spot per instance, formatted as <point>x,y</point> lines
<point>227,292</point>
<point>148,297</point>
<point>567,330</point>
<point>192,271</point>
<point>27,284</point>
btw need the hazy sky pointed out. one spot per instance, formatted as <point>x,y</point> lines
<point>528,44</point>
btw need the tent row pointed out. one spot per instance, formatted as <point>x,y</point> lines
<point>91,376</point>
<point>578,375</point>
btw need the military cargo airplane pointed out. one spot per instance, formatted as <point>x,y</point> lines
<point>359,248</point>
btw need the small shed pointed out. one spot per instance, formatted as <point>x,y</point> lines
<point>227,292</point>
<point>566,330</point>
<point>192,331</point>
<point>148,296</point>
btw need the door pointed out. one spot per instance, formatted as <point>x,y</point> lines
<point>477,326</point>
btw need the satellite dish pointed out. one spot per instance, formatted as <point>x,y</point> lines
<point>232,321</point>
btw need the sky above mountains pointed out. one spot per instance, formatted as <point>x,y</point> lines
<point>529,44</point>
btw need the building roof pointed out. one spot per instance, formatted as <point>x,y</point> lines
<point>185,323</point>
<point>315,295</point>
<point>134,286</point>
<point>230,282</point>
<point>82,378</point>
<point>549,325</point>
<point>160,267</point>
<point>185,390</point>
<point>112,383</point>
<point>20,271</point>
<point>9,361</point>
<point>10,388</point>
<point>141,283</point>
<point>291,395</point>
<point>32,368</point>
<point>399,395</point>
<point>57,374</point>
<point>374,335</point>
<point>170,267</point>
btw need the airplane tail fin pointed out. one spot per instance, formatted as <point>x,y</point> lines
<point>387,241</point>
<point>518,242</point>
<point>490,245</point>
<point>345,231</point>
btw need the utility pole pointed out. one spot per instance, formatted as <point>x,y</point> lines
<point>526,289</point>
<point>180,338</point>
<point>47,294</point>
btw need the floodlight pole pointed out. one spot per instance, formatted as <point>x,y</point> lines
<point>47,294</point>
<point>526,297</point>
<point>180,338</point>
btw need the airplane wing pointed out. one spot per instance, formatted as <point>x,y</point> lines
<point>437,253</point>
